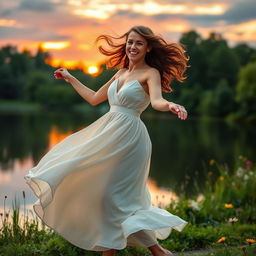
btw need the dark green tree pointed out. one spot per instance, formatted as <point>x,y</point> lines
<point>208,104</point>
<point>40,58</point>
<point>246,91</point>
<point>224,64</point>
<point>198,63</point>
<point>225,100</point>
<point>9,88</point>
<point>34,81</point>
<point>214,41</point>
<point>244,53</point>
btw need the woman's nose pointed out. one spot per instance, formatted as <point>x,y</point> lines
<point>133,46</point>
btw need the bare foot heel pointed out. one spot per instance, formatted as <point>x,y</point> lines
<point>158,250</point>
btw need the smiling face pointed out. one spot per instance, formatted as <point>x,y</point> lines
<point>136,47</point>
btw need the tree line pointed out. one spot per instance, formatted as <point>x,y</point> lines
<point>221,80</point>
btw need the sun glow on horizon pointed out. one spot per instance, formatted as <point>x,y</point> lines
<point>92,70</point>
<point>55,45</point>
<point>72,64</point>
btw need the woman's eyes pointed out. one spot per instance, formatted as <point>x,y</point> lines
<point>139,43</point>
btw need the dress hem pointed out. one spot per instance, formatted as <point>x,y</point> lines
<point>31,180</point>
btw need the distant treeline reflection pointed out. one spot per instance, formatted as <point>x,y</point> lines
<point>181,150</point>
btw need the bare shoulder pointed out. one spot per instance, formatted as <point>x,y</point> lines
<point>153,75</point>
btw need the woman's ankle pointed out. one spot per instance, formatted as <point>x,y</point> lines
<point>154,248</point>
<point>158,250</point>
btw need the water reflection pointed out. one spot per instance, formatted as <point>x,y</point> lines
<point>181,149</point>
<point>13,184</point>
<point>161,197</point>
<point>56,136</point>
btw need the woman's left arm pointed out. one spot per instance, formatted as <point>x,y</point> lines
<point>157,100</point>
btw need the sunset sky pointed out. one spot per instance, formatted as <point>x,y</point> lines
<point>68,28</point>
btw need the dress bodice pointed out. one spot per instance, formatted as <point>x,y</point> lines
<point>131,95</point>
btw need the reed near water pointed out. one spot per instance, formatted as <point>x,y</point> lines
<point>222,216</point>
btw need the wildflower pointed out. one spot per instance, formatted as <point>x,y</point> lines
<point>239,172</point>
<point>229,205</point>
<point>194,205</point>
<point>232,220</point>
<point>200,198</point>
<point>244,248</point>
<point>221,178</point>
<point>239,210</point>
<point>248,163</point>
<point>212,162</point>
<point>250,241</point>
<point>246,177</point>
<point>222,239</point>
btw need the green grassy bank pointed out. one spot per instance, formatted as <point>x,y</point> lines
<point>222,217</point>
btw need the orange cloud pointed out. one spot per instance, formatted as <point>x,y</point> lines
<point>245,31</point>
<point>9,23</point>
<point>102,10</point>
<point>69,30</point>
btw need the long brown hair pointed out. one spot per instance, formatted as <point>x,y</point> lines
<point>168,58</point>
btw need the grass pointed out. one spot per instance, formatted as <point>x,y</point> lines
<point>223,220</point>
<point>225,251</point>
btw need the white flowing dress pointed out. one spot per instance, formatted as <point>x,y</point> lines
<point>92,186</point>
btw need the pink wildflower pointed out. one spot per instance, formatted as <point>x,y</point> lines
<point>248,163</point>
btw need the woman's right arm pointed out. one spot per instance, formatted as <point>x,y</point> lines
<point>92,97</point>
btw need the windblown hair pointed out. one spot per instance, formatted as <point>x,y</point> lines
<point>168,58</point>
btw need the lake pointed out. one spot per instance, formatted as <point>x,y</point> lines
<point>181,149</point>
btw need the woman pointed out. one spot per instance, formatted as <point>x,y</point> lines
<point>92,186</point>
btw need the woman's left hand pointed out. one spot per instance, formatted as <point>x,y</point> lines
<point>178,110</point>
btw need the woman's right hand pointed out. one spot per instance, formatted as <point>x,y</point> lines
<point>62,73</point>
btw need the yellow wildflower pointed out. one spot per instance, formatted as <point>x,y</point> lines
<point>212,162</point>
<point>229,205</point>
<point>221,178</point>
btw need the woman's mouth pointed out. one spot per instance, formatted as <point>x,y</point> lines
<point>133,53</point>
